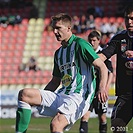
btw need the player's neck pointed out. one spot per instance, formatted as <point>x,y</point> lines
<point>130,34</point>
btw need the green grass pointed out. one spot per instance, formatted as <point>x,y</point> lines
<point>41,125</point>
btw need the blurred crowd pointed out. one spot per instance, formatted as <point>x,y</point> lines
<point>103,24</point>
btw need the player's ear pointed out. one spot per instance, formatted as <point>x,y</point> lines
<point>69,28</point>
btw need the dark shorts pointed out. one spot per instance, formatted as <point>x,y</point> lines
<point>123,109</point>
<point>99,108</point>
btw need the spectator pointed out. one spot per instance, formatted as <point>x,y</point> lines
<point>75,25</point>
<point>31,65</point>
<point>83,23</point>
<point>91,22</point>
<point>105,27</point>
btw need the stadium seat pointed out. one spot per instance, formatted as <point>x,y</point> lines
<point>22,74</point>
<point>36,41</point>
<point>4,47</point>
<point>47,21</point>
<point>112,19</point>
<point>105,20</point>
<point>25,58</point>
<point>22,34</point>
<point>18,52</point>
<point>29,81</point>
<point>21,41</point>
<point>20,86</point>
<point>35,53</point>
<point>41,60</point>
<point>14,34</point>
<point>119,20</point>
<point>26,55</point>
<point>4,87</point>
<point>16,59</point>
<point>38,80</point>
<point>37,34</point>
<point>48,67</point>
<point>21,81</point>
<point>29,40</point>
<point>4,81</point>
<point>31,28</point>
<point>12,87</point>
<point>25,21</point>
<point>9,28</point>
<point>32,21</point>
<point>15,74</point>
<point>23,28</point>
<point>7,67</point>
<point>16,28</point>
<point>39,28</point>
<point>30,34</point>
<point>28,86</point>
<point>40,21</point>
<point>35,47</point>
<point>37,86</point>
<point>28,47</point>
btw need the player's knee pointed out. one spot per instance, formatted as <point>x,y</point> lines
<point>23,94</point>
<point>86,116</point>
<point>54,126</point>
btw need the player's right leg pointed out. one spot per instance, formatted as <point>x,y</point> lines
<point>102,123</point>
<point>101,109</point>
<point>26,98</point>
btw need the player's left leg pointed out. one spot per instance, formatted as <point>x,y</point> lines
<point>84,120</point>
<point>84,123</point>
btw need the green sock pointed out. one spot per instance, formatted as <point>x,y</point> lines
<point>22,119</point>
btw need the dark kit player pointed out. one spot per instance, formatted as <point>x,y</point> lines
<point>122,45</point>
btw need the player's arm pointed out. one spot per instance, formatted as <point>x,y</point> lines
<point>129,53</point>
<point>109,81</point>
<point>102,56</point>
<point>108,64</point>
<point>53,84</point>
<point>102,93</point>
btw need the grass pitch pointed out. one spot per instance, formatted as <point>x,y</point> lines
<point>41,125</point>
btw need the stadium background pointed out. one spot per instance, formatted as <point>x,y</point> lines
<point>29,38</point>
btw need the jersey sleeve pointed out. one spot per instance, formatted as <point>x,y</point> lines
<point>111,47</point>
<point>87,52</point>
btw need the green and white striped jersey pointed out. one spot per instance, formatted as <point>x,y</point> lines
<point>73,64</point>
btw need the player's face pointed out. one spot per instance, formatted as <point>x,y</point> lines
<point>61,31</point>
<point>94,42</point>
<point>129,22</point>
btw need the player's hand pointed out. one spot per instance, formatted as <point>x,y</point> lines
<point>102,95</point>
<point>129,53</point>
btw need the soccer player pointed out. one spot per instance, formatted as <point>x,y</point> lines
<point>122,45</point>
<point>73,66</point>
<point>100,108</point>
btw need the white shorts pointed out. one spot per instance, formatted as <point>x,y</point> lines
<point>72,106</point>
